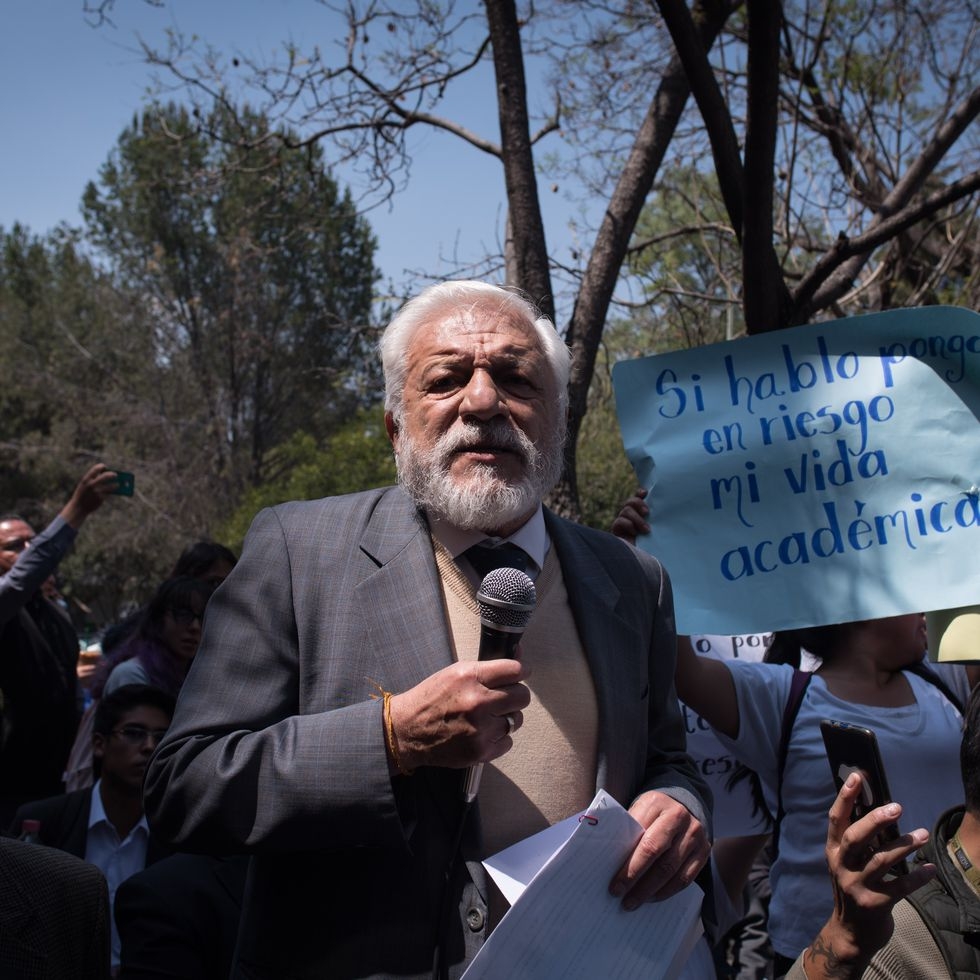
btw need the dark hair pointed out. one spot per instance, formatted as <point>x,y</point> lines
<point>123,699</point>
<point>821,641</point>
<point>197,558</point>
<point>146,641</point>
<point>970,752</point>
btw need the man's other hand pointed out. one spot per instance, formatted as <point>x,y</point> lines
<point>673,849</point>
<point>459,716</point>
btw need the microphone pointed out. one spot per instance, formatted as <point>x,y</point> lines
<point>506,598</point>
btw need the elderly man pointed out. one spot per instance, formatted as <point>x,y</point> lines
<point>337,702</point>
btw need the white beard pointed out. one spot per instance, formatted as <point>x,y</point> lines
<point>482,500</point>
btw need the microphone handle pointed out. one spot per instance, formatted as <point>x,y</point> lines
<point>472,785</point>
<point>495,644</point>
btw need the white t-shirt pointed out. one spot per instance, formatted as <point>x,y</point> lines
<point>920,750</point>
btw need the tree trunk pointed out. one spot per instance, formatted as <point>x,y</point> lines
<point>765,298</point>
<point>525,225</point>
<point>612,241</point>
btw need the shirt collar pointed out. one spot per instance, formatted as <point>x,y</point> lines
<point>97,814</point>
<point>532,536</point>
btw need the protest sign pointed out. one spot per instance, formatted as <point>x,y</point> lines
<point>826,473</point>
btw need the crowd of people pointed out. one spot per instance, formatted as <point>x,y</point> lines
<point>71,779</point>
<point>276,788</point>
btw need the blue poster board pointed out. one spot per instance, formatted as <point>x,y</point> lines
<point>825,473</point>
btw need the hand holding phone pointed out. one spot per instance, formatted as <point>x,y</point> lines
<point>865,892</point>
<point>851,748</point>
<point>125,483</point>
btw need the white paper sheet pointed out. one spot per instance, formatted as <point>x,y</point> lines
<point>564,923</point>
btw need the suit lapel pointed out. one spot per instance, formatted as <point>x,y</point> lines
<point>594,598</point>
<point>404,614</point>
<point>402,600</point>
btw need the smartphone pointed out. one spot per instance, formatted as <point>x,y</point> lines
<point>126,483</point>
<point>851,748</point>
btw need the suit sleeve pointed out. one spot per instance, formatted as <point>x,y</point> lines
<point>254,761</point>
<point>669,767</point>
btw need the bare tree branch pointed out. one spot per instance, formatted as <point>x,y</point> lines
<point>834,270</point>
<point>717,118</point>
<point>612,241</point>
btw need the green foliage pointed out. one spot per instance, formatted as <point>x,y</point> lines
<point>687,260</point>
<point>212,320</point>
<point>355,457</point>
<point>259,272</point>
<point>606,477</point>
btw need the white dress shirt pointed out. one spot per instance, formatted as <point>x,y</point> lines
<point>532,537</point>
<point>116,859</point>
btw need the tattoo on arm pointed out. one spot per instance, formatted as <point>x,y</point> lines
<point>825,959</point>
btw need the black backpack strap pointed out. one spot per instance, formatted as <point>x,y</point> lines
<point>797,688</point>
<point>923,670</point>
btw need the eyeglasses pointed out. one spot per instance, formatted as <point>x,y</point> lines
<point>16,545</point>
<point>184,616</point>
<point>135,735</point>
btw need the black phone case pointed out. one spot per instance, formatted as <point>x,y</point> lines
<point>852,748</point>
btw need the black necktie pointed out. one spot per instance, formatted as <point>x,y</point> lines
<point>485,557</point>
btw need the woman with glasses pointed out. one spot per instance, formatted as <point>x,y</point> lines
<point>159,652</point>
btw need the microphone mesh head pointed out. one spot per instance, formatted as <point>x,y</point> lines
<point>506,598</point>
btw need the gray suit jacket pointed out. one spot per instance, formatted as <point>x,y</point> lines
<point>54,915</point>
<point>277,746</point>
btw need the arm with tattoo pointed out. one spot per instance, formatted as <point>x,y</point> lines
<point>864,890</point>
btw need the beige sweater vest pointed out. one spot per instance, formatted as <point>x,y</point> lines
<point>550,772</point>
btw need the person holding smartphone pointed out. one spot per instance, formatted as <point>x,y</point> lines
<point>865,678</point>
<point>923,924</point>
<point>39,648</point>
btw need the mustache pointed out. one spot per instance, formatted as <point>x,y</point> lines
<point>494,434</point>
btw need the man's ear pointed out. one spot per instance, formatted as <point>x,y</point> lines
<point>98,745</point>
<point>391,427</point>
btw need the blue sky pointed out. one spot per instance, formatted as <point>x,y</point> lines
<point>69,89</point>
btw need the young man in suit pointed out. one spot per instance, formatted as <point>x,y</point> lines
<point>105,824</point>
<point>328,723</point>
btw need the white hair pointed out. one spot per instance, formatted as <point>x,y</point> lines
<point>458,296</point>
